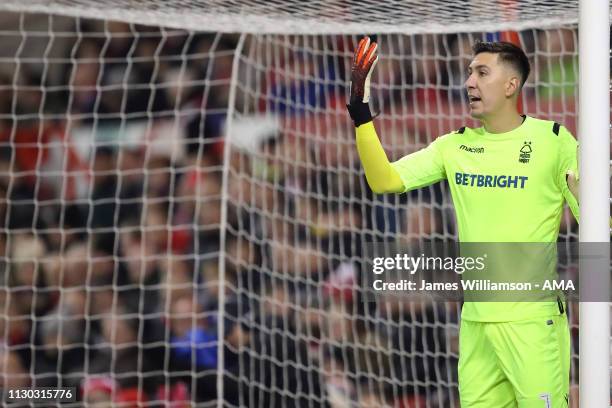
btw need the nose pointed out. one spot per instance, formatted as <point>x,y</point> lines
<point>470,82</point>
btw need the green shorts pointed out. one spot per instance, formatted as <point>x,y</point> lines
<point>521,364</point>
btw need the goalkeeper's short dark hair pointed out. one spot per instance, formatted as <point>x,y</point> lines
<point>508,54</point>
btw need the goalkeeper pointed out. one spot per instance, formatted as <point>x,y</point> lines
<point>509,180</point>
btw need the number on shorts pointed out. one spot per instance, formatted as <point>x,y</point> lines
<point>546,398</point>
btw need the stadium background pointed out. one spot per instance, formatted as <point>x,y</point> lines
<point>120,196</point>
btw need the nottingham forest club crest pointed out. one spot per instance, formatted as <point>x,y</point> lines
<point>525,153</point>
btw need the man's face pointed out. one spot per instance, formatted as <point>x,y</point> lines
<point>488,85</point>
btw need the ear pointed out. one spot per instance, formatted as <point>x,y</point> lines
<point>512,86</point>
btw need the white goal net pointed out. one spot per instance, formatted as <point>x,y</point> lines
<point>183,208</point>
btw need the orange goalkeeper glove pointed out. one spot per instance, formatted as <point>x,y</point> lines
<point>364,61</point>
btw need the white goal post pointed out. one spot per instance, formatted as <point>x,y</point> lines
<point>594,70</point>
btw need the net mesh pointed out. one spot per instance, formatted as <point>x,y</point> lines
<point>298,203</point>
<point>163,187</point>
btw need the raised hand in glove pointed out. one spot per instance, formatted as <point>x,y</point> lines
<point>364,61</point>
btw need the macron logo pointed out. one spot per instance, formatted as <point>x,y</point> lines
<point>472,149</point>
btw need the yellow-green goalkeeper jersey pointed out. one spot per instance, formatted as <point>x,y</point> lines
<point>507,187</point>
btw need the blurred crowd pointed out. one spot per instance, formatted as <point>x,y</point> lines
<point>124,262</point>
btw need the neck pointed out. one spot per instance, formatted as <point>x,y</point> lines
<point>503,122</point>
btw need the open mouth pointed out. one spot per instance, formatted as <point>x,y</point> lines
<point>473,99</point>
